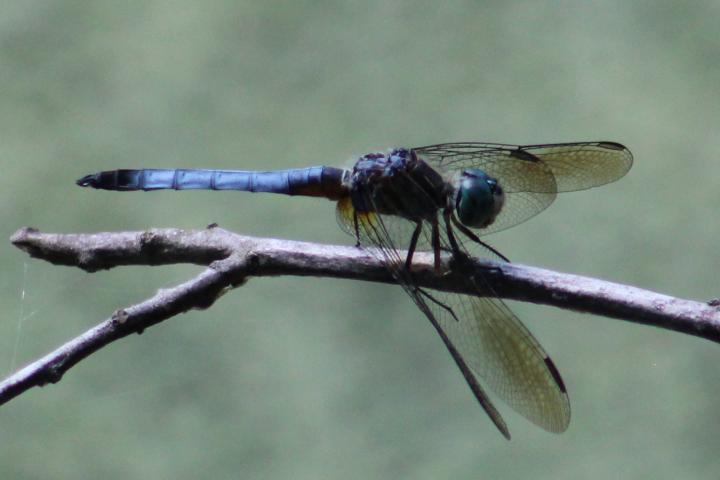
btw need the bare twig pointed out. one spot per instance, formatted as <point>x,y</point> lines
<point>233,258</point>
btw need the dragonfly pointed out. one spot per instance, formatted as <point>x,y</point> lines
<point>440,199</point>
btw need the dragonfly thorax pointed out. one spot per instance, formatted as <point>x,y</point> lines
<point>478,198</point>
<point>398,183</point>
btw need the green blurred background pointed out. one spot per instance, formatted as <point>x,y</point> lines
<point>317,378</point>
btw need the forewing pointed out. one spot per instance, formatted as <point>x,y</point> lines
<point>575,166</point>
<point>531,175</point>
<point>578,166</point>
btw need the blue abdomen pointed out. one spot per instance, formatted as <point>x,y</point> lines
<point>311,181</point>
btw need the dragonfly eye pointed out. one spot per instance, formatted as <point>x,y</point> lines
<point>479,198</point>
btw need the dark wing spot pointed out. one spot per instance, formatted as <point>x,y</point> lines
<point>524,155</point>
<point>555,374</point>
<point>611,146</point>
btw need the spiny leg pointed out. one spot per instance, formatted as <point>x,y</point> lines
<point>437,302</point>
<point>471,235</point>
<point>435,241</point>
<point>413,244</point>
<point>461,255</point>
<point>447,214</point>
<point>457,253</point>
<point>357,228</point>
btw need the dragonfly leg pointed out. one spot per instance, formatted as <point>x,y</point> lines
<point>437,302</point>
<point>357,228</point>
<point>447,214</point>
<point>413,245</point>
<point>471,235</point>
<point>435,240</point>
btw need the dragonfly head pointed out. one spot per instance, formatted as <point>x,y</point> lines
<point>478,198</point>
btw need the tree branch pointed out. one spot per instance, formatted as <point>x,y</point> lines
<point>232,259</point>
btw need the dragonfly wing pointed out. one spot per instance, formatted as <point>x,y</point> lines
<point>501,350</point>
<point>578,166</point>
<point>372,231</point>
<point>483,336</point>
<point>575,166</point>
<point>531,175</point>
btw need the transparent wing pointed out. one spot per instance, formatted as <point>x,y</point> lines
<point>503,352</point>
<point>374,235</point>
<point>575,166</point>
<point>483,336</point>
<point>531,175</point>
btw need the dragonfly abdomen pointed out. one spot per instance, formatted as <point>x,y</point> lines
<point>312,181</point>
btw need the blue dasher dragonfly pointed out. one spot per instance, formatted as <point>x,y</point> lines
<point>431,199</point>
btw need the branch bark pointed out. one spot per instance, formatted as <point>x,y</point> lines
<point>232,259</point>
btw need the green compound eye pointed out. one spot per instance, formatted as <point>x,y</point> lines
<point>479,198</point>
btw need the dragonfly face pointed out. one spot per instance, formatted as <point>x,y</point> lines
<point>429,198</point>
<point>479,198</point>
